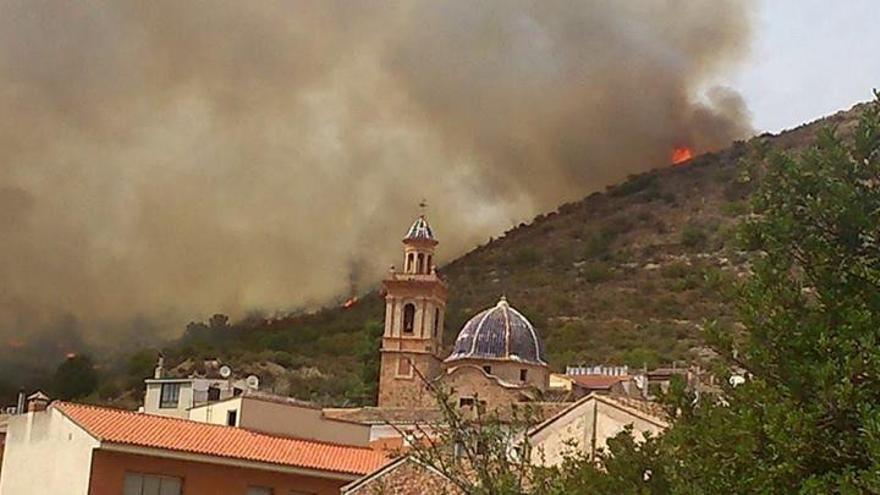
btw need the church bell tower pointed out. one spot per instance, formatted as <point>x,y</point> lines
<point>415,303</point>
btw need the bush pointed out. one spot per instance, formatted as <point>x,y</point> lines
<point>595,272</point>
<point>634,184</point>
<point>676,270</point>
<point>694,236</point>
<point>735,208</point>
<point>526,256</point>
<point>598,244</point>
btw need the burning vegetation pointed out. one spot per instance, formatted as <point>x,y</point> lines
<point>681,154</point>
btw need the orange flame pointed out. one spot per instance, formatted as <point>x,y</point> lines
<point>71,355</point>
<point>351,302</point>
<point>681,154</point>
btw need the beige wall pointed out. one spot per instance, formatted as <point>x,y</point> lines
<point>46,453</point>
<point>509,371</point>
<point>284,419</point>
<point>470,381</point>
<point>406,391</point>
<point>577,428</point>
<point>215,413</point>
<point>152,396</point>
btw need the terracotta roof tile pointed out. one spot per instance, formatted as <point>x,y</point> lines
<point>146,430</point>
<point>598,381</point>
<point>382,415</point>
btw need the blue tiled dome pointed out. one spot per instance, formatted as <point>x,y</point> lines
<point>499,332</point>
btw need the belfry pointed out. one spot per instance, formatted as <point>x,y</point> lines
<point>415,303</point>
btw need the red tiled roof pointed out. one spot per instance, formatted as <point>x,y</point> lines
<point>598,381</point>
<point>146,430</point>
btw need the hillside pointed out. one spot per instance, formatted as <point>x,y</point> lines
<point>626,276</point>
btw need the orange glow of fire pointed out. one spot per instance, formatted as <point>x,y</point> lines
<point>351,302</point>
<point>681,154</point>
<point>71,355</point>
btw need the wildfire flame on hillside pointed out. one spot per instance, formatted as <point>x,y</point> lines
<point>681,154</point>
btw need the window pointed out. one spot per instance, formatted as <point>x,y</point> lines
<point>169,395</point>
<point>409,262</point>
<point>213,393</point>
<point>259,490</point>
<point>429,265</point>
<point>232,418</point>
<point>409,317</point>
<point>466,402</point>
<point>523,374</point>
<point>421,263</point>
<point>487,369</point>
<point>404,367</point>
<point>436,321</point>
<point>151,484</point>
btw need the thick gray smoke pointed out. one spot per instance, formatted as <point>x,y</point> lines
<point>164,160</point>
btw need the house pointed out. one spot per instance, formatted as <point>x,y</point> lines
<point>175,396</point>
<point>258,411</point>
<point>619,385</point>
<point>404,476</point>
<point>102,451</point>
<point>586,425</point>
<point>388,427</point>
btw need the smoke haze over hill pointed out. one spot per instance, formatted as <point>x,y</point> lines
<point>165,160</point>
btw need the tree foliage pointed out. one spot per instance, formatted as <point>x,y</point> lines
<point>75,378</point>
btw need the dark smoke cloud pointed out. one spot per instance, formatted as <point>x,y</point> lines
<point>164,160</point>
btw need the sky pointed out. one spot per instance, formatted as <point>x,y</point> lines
<point>809,58</point>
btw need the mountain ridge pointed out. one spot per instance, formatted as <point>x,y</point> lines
<point>624,276</point>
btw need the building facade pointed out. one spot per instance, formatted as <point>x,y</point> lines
<point>415,305</point>
<point>285,416</point>
<point>498,356</point>
<point>101,451</point>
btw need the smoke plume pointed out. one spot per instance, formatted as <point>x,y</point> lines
<point>161,161</point>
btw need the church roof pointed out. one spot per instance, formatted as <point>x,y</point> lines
<point>499,332</point>
<point>420,230</point>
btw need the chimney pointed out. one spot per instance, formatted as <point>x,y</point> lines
<point>160,367</point>
<point>37,402</point>
<point>20,403</point>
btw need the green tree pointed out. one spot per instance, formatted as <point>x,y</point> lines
<point>74,378</point>
<point>808,419</point>
<point>370,361</point>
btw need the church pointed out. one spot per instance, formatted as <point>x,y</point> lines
<point>498,356</point>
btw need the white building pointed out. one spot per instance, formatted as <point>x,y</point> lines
<point>175,396</point>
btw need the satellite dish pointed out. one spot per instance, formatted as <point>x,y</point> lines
<point>225,371</point>
<point>253,382</point>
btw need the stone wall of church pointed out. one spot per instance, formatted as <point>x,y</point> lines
<point>400,385</point>
<point>511,371</point>
<point>470,382</point>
